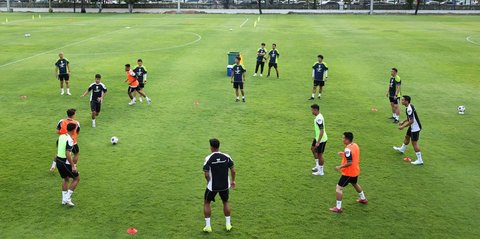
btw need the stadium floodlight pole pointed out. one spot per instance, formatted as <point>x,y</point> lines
<point>178,6</point>
<point>371,7</point>
<point>8,5</point>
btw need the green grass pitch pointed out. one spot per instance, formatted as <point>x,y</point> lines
<point>152,180</point>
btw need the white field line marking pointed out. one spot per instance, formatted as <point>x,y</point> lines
<point>147,50</point>
<point>56,49</point>
<point>241,25</point>
<point>469,39</point>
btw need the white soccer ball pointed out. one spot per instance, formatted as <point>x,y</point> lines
<point>114,140</point>
<point>461,109</point>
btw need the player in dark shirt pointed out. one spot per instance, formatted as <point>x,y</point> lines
<point>393,93</point>
<point>238,78</point>
<point>141,72</point>
<point>62,71</point>
<point>98,91</point>
<point>216,168</point>
<point>273,56</point>
<point>261,52</point>
<point>319,75</point>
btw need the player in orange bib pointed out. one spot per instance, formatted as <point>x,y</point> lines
<point>350,168</point>
<point>62,129</point>
<point>133,85</point>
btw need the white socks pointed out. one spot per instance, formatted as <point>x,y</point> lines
<point>362,195</point>
<point>64,196</point>
<point>227,220</point>
<point>68,195</point>
<point>313,95</point>
<point>339,204</point>
<point>419,156</point>
<point>403,148</point>
<point>207,222</point>
<point>317,164</point>
<point>319,94</point>
<point>243,97</point>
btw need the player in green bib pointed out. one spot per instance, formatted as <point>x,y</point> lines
<point>319,141</point>
<point>66,166</point>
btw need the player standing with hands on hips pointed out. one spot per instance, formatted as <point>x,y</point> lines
<point>413,132</point>
<point>62,71</point>
<point>216,168</point>
<point>238,78</point>
<point>98,91</point>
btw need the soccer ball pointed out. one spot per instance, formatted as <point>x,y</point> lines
<point>114,140</point>
<point>461,109</point>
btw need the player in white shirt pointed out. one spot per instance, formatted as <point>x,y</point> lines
<point>413,132</point>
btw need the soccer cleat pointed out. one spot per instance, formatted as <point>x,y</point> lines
<point>319,97</point>
<point>243,100</point>
<point>311,98</point>
<point>398,149</point>
<point>336,210</point>
<point>315,169</point>
<point>228,228</point>
<point>140,99</point>
<point>132,102</point>
<point>395,121</point>
<point>417,162</point>
<point>62,92</point>
<point>68,93</point>
<point>237,100</point>
<point>391,117</point>
<point>255,74</point>
<point>318,173</point>
<point>362,201</point>
<point>149,101</point>
<point>69,203</point>
<point>207,229</point>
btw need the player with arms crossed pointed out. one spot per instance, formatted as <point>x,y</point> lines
<point>98,91</point>
<point>238,78</point>
<point>141,72</point>
<point>66,165</point>
<point>133,85</point>
<point>273,56</point>
<point>261,52</point>
<point>350,169</point>
<point>320,140</point>
<point>319,75</point>
<point>216,168</point>
<point>62,71</point>
<point>393,92</point>
<point>62,129</point>
<point>413,132</point>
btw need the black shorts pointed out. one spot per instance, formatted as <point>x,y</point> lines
<point>141,85</point>
<point>65,169</point>
<point>321,147</point>
<point>64,77</point>
<point>345,180</point>
<point>414,136</point>
<point>275,65</point>
<point>132,89</point>
<point>318,83</point>
<point>392,100</point>
<point>95,106</point>
<point>210,195</point>
<point>237,85</point>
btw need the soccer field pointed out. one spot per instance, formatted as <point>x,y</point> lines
<point>153,180</point>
